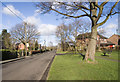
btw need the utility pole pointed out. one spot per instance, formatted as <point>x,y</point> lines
<point>25,39</point>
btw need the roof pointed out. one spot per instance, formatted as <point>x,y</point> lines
<point>108,43</point>
<point>88,35</point>
<point>115,35</point>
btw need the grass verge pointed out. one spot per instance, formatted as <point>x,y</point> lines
<point>71,67</point>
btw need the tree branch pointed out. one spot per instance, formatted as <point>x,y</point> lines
<point>66,14</point>
<point>69,15</point>
<point>110,13</point>
<point>100,13</point>
<point>104,3</point>
<point>101,9</point>
<point>75,7</point>
<point>81,6</point>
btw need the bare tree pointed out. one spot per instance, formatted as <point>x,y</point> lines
<point>61,33</point>
<point>93,10</point>
<point>51,45</point>
<point>78,27</point>
<point>18,33</point>
<point>75,28</point>
<point>68,33</point>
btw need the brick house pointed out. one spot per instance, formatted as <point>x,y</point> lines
<point>114,39</point>
<point>83,40</point>
<point>20,46</point>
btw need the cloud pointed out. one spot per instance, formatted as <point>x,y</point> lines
<point>111,26</point>
<point>48,39</point>
<point>47,29</point>
<point>33,20</point>
<point>44,29</point>
<point>36,12</point>
<point>109,29</point>
<point>8,12</point>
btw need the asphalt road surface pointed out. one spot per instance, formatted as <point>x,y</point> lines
<point>30,68</point>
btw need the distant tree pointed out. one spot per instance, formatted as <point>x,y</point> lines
<point>18,33</point>
<point>77,27</point>
<point>61,33</point>
<point>69,32</point>
<point>50,45</point>
<point>36,45</point>
<point>6,40</point>
<point>91,9</point>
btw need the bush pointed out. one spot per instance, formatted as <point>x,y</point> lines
<point>7,54</point>
<point>36,51</point>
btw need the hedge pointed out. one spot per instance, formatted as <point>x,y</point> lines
<point>11,54</point>
<point>8,54</point>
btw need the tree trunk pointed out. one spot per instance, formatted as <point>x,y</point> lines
<point>90,53</point>
<point>62,46</point>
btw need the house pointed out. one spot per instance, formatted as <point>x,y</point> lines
<point>83,40</point>
<point>114,39</point>
<point>21,46</point>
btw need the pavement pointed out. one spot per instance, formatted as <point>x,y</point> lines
<point>11,60</point>
<point>30,68</point>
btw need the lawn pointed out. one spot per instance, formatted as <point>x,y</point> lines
<point>114,55</point>
<point>71,67</point>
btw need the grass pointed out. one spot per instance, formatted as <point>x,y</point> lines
<point>71,67</point>
<point>114,55</point>
<point>63,52</point>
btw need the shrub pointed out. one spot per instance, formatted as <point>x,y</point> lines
<point>7,54</point>
<point>36,51</point>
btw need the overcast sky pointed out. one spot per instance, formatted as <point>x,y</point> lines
<point>47,23</point>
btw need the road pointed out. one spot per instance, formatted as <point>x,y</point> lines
<point>30,68</point>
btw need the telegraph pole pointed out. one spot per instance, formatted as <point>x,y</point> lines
<point>25,39</point>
